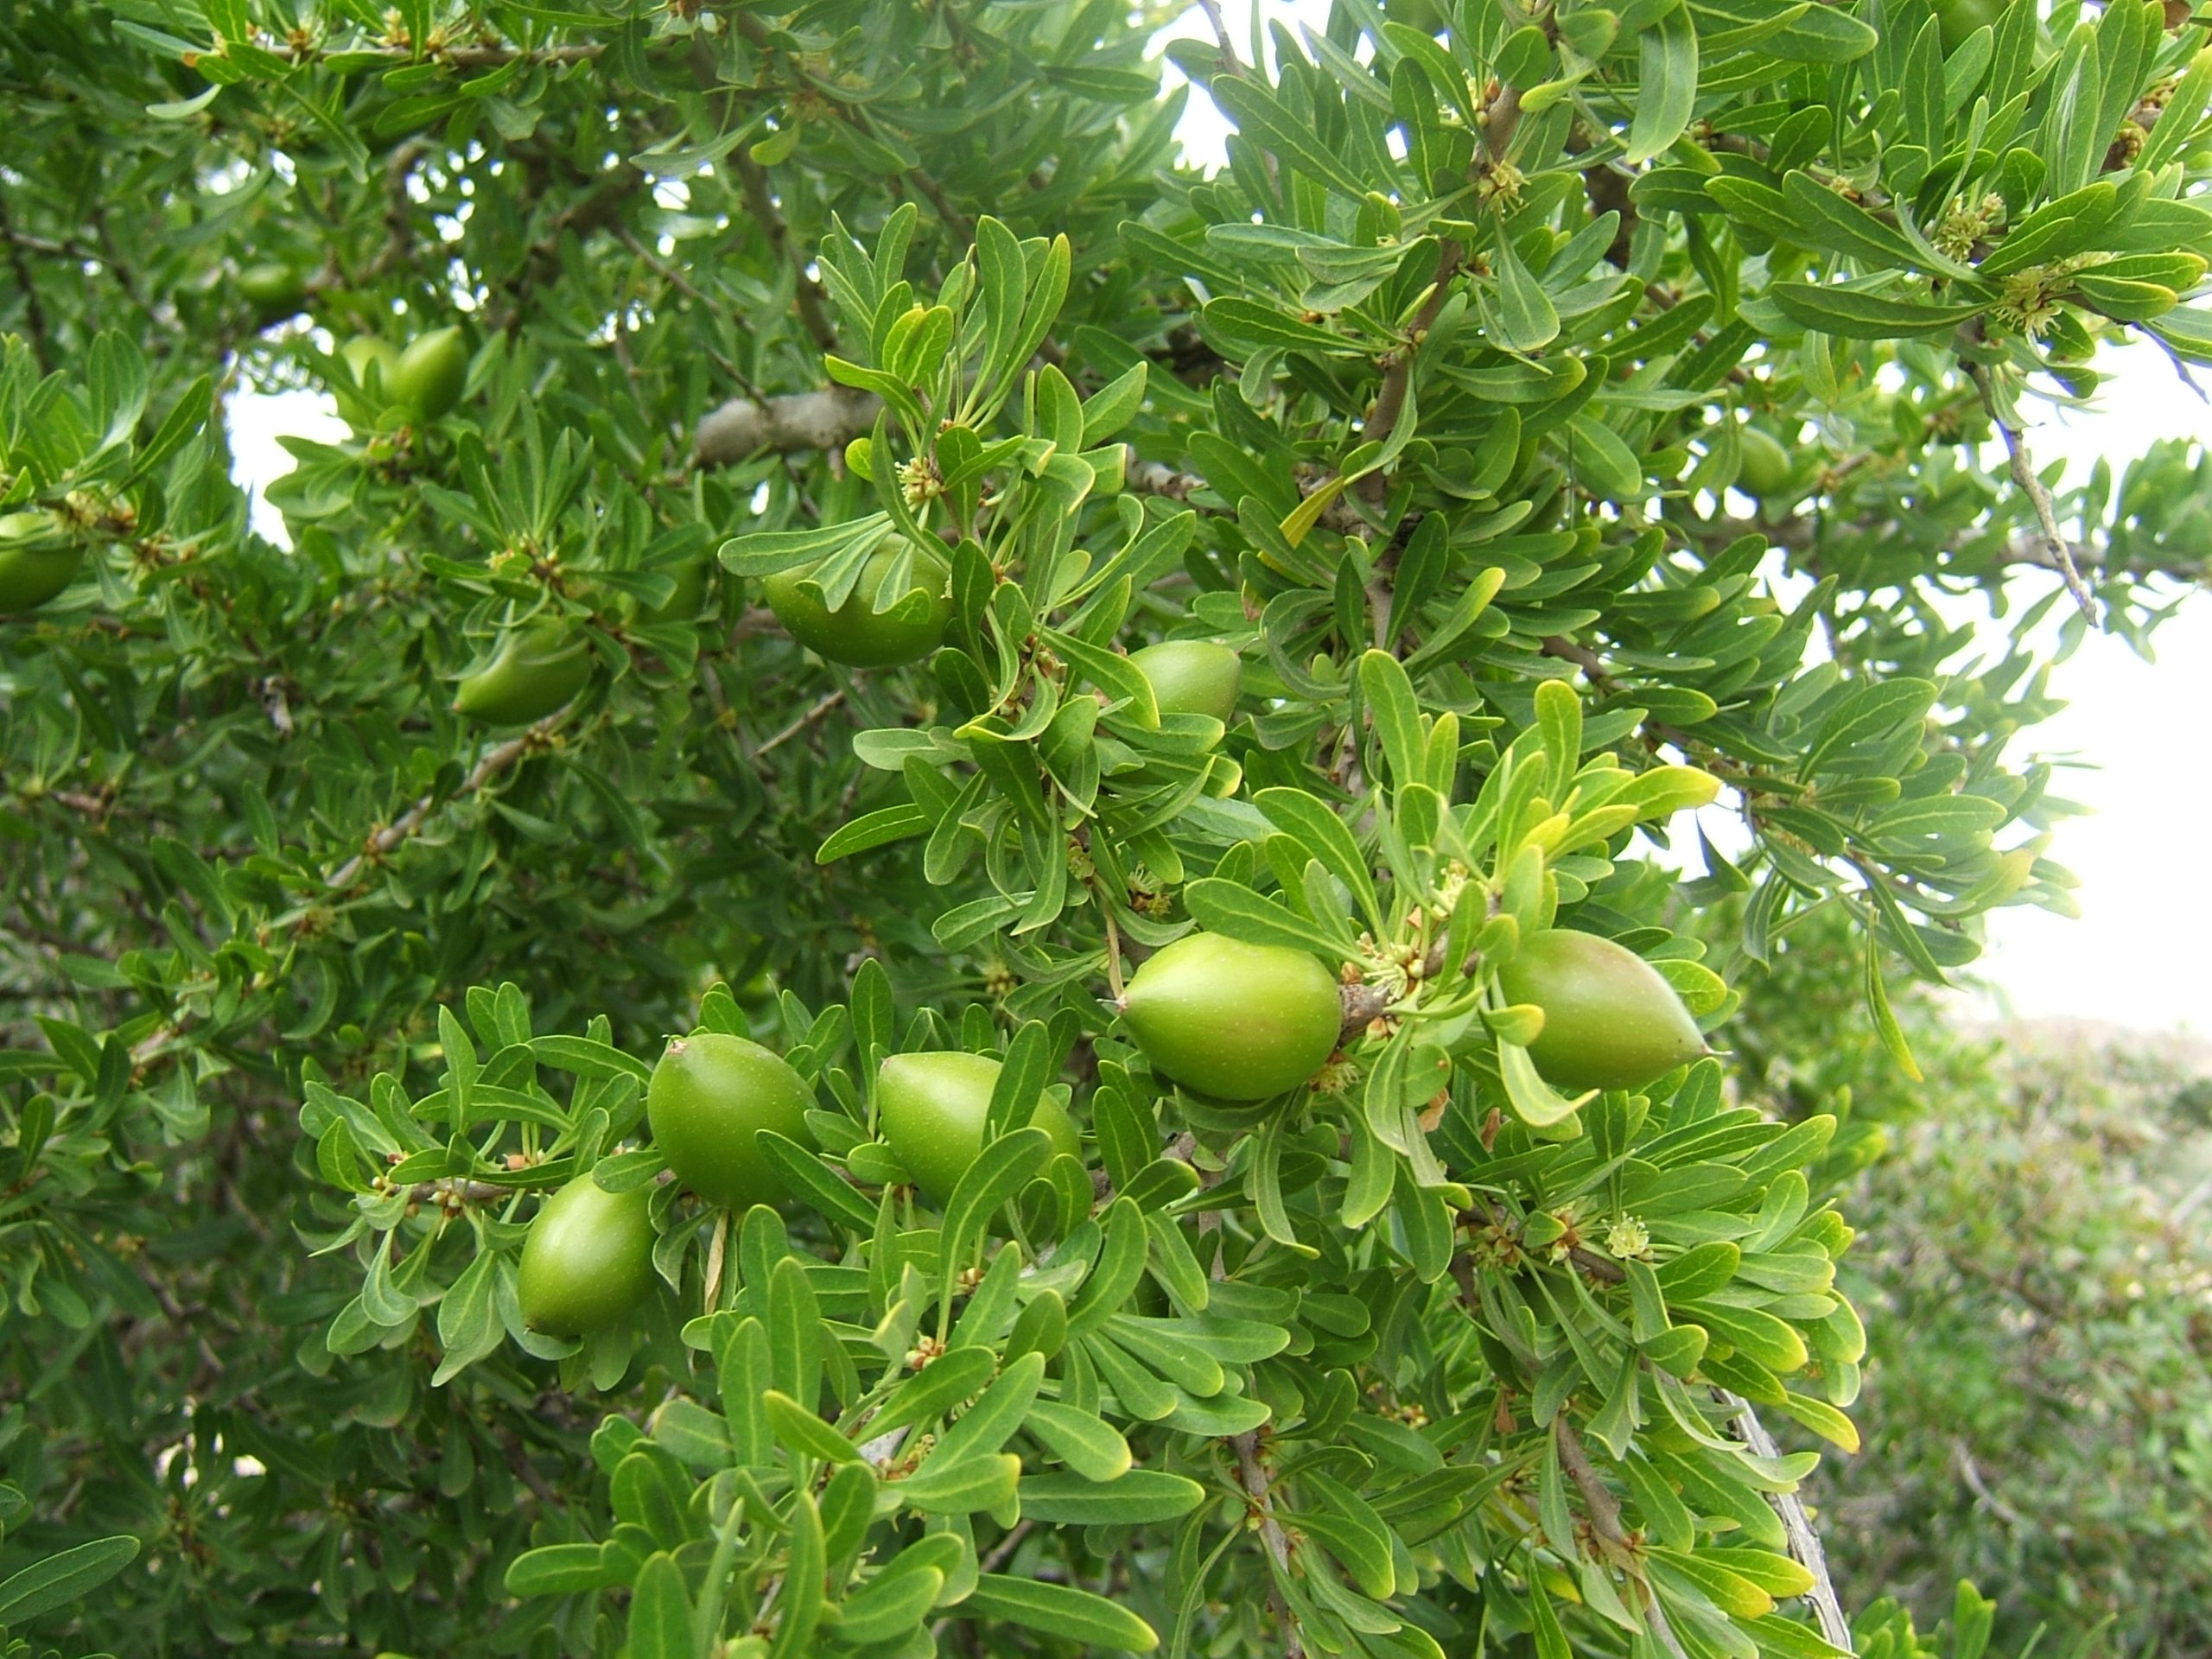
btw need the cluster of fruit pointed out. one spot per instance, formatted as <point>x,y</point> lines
<point>42,550</point>
<point>1217,1017</point>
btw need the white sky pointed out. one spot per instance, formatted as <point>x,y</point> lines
<point>2135,957</point>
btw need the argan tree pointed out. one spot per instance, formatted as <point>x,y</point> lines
<point>954,897</point>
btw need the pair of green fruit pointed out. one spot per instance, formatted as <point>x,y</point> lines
<point>38,559</point>
<point>1241,1023</point>
<point>1188,677</point>
<point>588,1258</point>
<point>425,380</point>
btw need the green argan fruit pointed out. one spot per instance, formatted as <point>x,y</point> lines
<point>430,374</point>
<point>1763,466</point>
<point>1957,19</point>
<point>710,1097</point>
<point>37,561</point>
<point>1234,1020</point>
<point>1191,677</point>
<point>931,1109</point>
<point>588,1260</point>
<point>273,290</point>
<point>683,603</point>
<point>855,633</point>
<point>1426,16</point>
<point>539,667</point>
<point>1610,1022</point>
<point>369,357</point>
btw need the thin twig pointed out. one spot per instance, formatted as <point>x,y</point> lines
<point>2024,474</point>
<point>1605,1511</point>
<point>1002,1551</point>
<point>1229,58</point>
<point>1382,421</point>
<point>34,313</point>
<point>460,57</point>
<point>1804,1543</point>
<point>813,311</point>
<point>493,762</point>
<point>820,708</point>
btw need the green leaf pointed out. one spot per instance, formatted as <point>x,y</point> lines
<point>1231,908</point>
<point>1261,118</point>
<point>811,1179</point>
<point>1068,1613</point>
<point>874,829</point>
<point>961,1487</point>
<point>804,1434</point>
<point>64,1578</point>
<point>558,1570</point>
<point>1086,1443</point>
<point>802,1601</point>
<point>1666,86</point>
<point>1140,1497</point>
<point>1525,317</point>
<point>1861,314</point>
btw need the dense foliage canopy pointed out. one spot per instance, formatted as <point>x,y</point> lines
<point>1212,1149</point>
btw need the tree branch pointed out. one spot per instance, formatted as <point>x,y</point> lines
<point>800,420</point>
<point>1382,421</point>
<point>1604,1512</point>
<point>1252,1475</point>
<point>812,310</point>
<point>1804,1543</point>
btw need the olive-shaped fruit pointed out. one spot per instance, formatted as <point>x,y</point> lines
<point>1610,1022</point>
<point>539,667</point>
<point>931,1109</point>
<point>1191,677</point>
<point>37,561</point>
<point>710,1097</point>
<point>430,374</point>
<point>682,604</point>
<point>369,357</point>
<point>588,1260</point>
<point>1234,1020</point>
<point>272,290</point>
<point>1957,19</point>
<point>1763,467</point>
<point>856,633</point>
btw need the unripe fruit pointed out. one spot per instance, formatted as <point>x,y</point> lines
<point>36,561</point>
<point>855,633</point>
<point>1957,19</point>
<point>539,667</point>
<point>1763,466</point>
<point>430,374</point>
<point>1610,1022</point>
<point>710,1097</point>
<point>372,359</point>
<point>272,290</point>
<point>683,603</point>
<point>931,1109</point>
<point>1191,677</point>
<point>588,1260</point>
<point>1234,1020</point>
